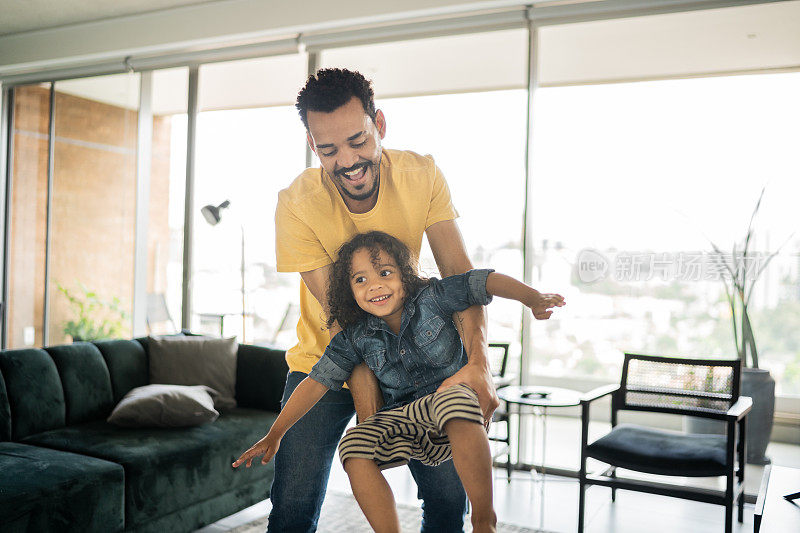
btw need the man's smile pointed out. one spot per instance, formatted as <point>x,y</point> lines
<point>356,174</point>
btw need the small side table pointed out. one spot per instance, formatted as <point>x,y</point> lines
<point>540,399</point>
<point>774,511</point>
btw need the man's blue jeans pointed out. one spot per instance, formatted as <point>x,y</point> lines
<point>303,464</point>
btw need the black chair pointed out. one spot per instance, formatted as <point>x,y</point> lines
<point>158,312</point>
<point>707,388</point>
<point>498,362</point>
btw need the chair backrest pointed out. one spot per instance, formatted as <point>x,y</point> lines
<point>695,387</point>
<point>157,310</point>
<point>498,358</point>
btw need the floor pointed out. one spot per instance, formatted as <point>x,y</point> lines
<point>551,504</point>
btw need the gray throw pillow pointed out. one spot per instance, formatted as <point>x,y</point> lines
<point>165,406</point>
<point>196,361</point>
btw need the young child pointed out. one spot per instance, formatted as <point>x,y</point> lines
<point>401,325</point>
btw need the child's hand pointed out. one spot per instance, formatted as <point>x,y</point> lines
<point>541,304</point>
<point>268,447</point>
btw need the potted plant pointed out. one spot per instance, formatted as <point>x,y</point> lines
<point>94,318</point>
<point>740,271</point>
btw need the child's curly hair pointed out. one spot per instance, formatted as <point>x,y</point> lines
<point>342,306</point>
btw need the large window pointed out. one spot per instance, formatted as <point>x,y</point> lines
<point>88,240</point>
<point>449,97</point>
<point>28,216</point>
<point>638,179</point>
<point>93,207</point>
<point>478,140</point>
<point>630,176</point>
<point>250,145</point>
<point>72,210</point>
<point>164,276</point>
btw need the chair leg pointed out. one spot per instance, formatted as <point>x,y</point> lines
<point>508,449</point>
<point>582,471</point>
<point>740,514</point>
<point>613,489</point>
<point>730,475</point>
<point>729,517</point>
<point>742,463</point>
<point>581,504</point>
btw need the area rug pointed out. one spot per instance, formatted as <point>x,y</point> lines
<point>341,514</point>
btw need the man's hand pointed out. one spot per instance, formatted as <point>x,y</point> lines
<point>268,447</point>
<point>541,305</point>
<point>478,377</point>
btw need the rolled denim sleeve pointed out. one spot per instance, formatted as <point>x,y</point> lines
<point>337,363</point>
<point>456,293</point>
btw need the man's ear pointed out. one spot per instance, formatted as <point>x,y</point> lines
<point>380,123</point>
<point>310,142</point>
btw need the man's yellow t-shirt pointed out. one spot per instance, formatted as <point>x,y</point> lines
<point>312,222</point>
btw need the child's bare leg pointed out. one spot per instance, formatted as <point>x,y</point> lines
<point>373,494</point>
<point>473,462</point>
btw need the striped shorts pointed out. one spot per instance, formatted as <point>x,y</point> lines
<point>413,431</point>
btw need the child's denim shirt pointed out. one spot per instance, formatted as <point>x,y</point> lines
<point>427,351</point>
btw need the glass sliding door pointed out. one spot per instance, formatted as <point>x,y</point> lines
<point>450,97</point>
<point>27,216</point>
<point>93,208</point>
<point>250,145</point>
<point>166,203</point>
<point>625,230</point>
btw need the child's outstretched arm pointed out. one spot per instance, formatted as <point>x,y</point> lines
<point>304,397</point>
<point>507,287</point>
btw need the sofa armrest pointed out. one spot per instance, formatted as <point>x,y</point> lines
<point>260,377</point>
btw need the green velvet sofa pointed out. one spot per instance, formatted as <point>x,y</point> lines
<point>64,468</point>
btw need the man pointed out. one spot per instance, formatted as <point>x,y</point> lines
<point>360,187</point>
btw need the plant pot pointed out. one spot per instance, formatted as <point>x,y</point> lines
<point>758,385</point>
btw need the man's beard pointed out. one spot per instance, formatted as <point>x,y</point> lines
<point>359,196</point>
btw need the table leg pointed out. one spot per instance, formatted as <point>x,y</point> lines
<point>519,432</point>
<point>544,441</point>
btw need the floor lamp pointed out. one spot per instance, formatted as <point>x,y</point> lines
<point>213,214</point>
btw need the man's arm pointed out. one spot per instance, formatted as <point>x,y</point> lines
<point>451,258</point>
<point>363,384</point>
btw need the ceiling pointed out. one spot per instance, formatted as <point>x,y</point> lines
<point>26,15</point>
<point>748,38</point>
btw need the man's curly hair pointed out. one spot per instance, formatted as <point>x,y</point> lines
<point>342,306</point>
<point>331,88</point>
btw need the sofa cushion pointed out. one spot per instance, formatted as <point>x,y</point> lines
<point>202,513</point>
<point>85,379</point>
<point>35,395</point>
<point>51,490</point>
<point>127,365</point>
<point>167,469</point>
<point>186,360</point>
<point>260,377</point>
<point>165,406</point>
<point>5,412</point>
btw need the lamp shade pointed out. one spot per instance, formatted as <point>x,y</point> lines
<point>212,213</point>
